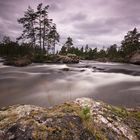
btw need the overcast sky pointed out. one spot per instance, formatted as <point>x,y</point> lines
<point>94,22</point>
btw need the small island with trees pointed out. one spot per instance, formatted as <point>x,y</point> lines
<point>39,39</point>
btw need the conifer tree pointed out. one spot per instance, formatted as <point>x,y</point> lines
<point>54,37</point>
<point>28,22</point>
<point>131,42</point>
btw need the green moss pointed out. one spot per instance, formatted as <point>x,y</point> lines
<point>100,136</point>
<point>119,111</point>
<point>67,108</point>
<point>48,123</point>
<point>39,129</point>
<point>8,120</point>
<point>135,114</point>
<point>2,117</point>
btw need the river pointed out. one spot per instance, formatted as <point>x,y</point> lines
<point>50,84</point>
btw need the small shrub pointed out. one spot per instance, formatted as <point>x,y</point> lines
<point>85,113</point>
<point>39,58</point>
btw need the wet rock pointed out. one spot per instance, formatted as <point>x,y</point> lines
<point>102,59</point>
<point>18,62</point>
<point>135,58</point>
<point>82,119</point>
<point>98,69</point>
<point>68,59</point>
<point>94,67</point>
<point>86,66</point>
<point>65,69</point>
<point>82,70</point>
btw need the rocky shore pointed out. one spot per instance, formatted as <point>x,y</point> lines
<point>67,59</point>
<point>18,62</point>
<point>26,60</point>
<point>82,119</point>
<point>135,58</point>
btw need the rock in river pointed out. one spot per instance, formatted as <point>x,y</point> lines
<point>18,62</point>
<point>135,59</point>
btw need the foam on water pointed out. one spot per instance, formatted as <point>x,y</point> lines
<point>2,66</point>
<point>81,85</point>
<point>57,66</point>
<point>48,85</point>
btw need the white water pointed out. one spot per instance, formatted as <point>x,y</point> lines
<point>47,85</point>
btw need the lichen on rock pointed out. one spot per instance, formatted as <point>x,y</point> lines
<point>82,119</point>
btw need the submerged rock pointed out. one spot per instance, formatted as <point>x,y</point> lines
<point>65,69</point>
<point>82,119</point>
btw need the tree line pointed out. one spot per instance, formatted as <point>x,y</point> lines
<point>129,45</point>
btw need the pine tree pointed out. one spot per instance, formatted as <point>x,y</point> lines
<point>63,50</point>
<point>28,22</point>
<point>112,51</point>
<point>54,37</point>
<point>131,42</point>
<point>69,43</point>
<point>46,25</point>
<point>86,48</point>
<point>39,27</point>
<point>6,40</point>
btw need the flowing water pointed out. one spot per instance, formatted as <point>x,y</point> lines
<point>51,84</point>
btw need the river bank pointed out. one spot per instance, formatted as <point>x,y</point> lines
<point>66,59</point>
<point>53,59</point>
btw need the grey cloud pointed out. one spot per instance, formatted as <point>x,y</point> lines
<point>55,7</point>
<point>71,18</point>
<point>78,17</point>
<point>97,27</point>
<point>107,26</point>
<point>94,22</point>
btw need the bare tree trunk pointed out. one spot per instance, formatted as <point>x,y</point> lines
<point>48,45</point>
<point>44,35</point>
<point>54,48</point>
<point>40,34</point>
<point>34,38</point>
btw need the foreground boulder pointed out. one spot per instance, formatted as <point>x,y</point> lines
<point>83,119</point>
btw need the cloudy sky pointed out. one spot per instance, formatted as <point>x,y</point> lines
<point>94,22</point>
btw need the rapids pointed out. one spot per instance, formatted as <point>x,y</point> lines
<point>51,84</point>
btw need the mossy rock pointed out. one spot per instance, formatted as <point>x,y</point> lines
<point>83,119</point>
